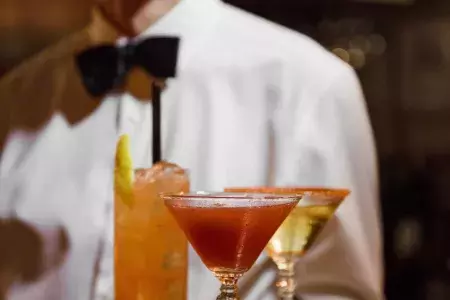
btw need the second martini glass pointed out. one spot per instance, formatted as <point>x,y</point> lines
<point>300,229</point>
<point>229,230</point>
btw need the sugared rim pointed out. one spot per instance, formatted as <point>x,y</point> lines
<point>228,195</point>
<point>302,191</point>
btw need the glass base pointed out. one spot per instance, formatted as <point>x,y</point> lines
<point>229,279</point>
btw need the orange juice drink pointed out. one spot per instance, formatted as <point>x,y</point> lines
<point>150,249</point>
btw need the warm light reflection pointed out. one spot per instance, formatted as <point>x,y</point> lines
<point>360,42</point>
<point>342,54</point>
<point>357,58</point>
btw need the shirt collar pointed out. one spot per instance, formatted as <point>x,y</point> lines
<point>190,20</point>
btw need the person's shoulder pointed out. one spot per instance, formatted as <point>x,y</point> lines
<point>297,52</point>
<point>254,27</point>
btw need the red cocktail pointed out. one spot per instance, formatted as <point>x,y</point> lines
<point>229,230</point>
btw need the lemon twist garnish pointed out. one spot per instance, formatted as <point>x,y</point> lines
<point>124,173</point>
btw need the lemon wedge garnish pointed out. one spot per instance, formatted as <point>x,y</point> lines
<point>124,173</point>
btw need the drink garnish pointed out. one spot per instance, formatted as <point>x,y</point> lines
<point>124,172</point>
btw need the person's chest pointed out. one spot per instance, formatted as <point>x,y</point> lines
<point>216,124</point>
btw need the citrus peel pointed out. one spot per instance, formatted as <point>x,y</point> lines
<point>124,171</point>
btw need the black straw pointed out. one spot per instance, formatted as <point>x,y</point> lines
<point>156,143</point>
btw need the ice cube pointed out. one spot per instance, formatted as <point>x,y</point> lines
<point>164,176</point>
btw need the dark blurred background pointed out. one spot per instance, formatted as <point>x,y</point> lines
<point>401,51</point>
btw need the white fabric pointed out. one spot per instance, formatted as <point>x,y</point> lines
<point>241,81</point>
<point>65,176</point>
<point>253,104</point>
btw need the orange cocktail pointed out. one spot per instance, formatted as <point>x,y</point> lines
<point>150,249</point>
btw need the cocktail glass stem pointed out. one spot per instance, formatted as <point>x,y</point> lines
<point>229,288</point>
<point>286,282</point>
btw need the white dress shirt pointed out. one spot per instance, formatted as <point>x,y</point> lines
<point>253,104</point>
<point>257,104</point>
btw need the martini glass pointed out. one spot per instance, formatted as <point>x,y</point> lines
<point>300,229</point>
<point>229,230</point>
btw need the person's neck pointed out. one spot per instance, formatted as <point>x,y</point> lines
<point>150,13</point>
<point>100,29</point>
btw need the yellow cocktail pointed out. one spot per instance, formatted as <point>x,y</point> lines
<point>300,229</point>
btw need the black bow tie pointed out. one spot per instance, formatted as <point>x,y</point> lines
<point>105,67</point>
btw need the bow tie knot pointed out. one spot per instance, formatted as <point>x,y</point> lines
<point>126,61</point>
<point>126,54</point>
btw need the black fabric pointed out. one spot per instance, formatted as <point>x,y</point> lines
<point>105,67</point>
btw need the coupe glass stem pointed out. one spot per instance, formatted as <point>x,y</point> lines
<point>229,288</point>
<point>286,282</point>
